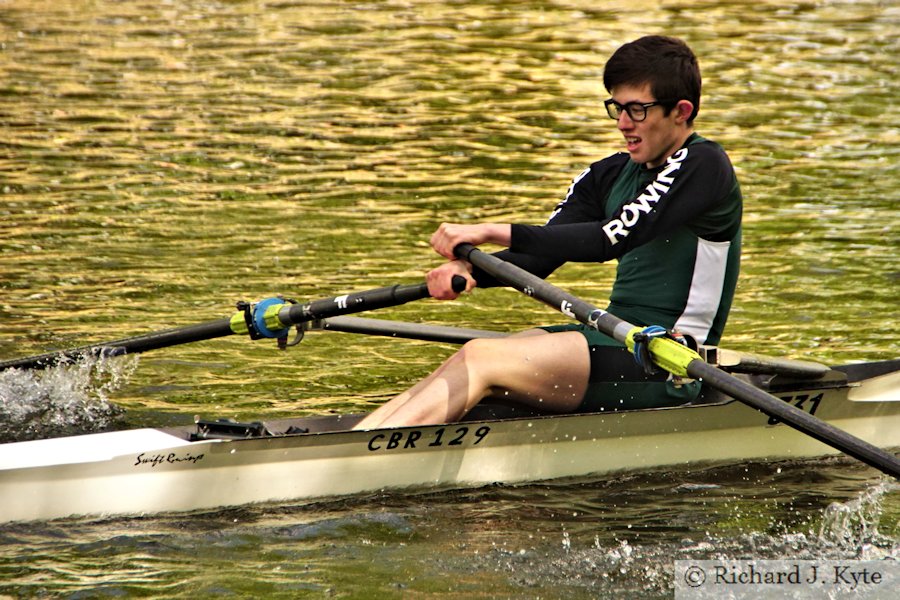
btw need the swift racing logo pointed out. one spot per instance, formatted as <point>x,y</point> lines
<point>153,460</point>
<point>617,229</point>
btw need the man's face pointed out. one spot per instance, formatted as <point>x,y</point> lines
<point>658,136</point>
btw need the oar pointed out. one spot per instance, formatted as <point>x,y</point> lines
<point>680,360</point>
<point>271,318</point>
<point>399,329</point>
<point>731,361</point>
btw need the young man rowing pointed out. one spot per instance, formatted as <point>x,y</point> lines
<point>668,209</point>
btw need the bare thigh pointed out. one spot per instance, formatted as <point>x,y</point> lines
<point>540,369</point>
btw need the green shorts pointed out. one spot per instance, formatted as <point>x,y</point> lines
<point>617,382</point>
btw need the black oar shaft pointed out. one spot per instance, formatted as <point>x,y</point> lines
<point>799,420</point>
<point>136,344</point>
<point>288,315</point>
<point>537,288</point>
<point>619,329</point>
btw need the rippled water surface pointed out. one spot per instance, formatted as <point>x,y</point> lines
<point>160,161</point>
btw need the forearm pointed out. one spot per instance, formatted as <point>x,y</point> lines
<point>571,242</point>
<point>449,235</point>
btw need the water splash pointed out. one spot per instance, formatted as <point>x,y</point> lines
<point>846,530</point>
<point>68,399</point>
<point>849,530</point>
<point>852,528</point>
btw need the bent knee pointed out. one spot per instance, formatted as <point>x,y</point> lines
<point>484,349</point>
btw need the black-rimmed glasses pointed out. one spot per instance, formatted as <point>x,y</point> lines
<point>637,111</point>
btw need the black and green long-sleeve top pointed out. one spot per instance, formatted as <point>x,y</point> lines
<point>675,231</point>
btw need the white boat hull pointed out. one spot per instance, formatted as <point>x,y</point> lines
<point>149,471</point>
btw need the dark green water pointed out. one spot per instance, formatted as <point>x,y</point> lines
<point>160,161</point>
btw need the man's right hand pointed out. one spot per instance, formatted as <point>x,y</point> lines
<point>439,280</point>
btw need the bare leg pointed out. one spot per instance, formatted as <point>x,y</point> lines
<point>544,370</point>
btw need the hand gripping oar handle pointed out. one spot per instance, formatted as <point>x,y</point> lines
<point>680,360</point>
<point>274,317</point>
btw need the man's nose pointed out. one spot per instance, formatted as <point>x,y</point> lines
<point>624,121</point>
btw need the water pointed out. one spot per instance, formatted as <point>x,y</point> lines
<point>67,400</point>
<point>160,161</point>
<point>574,539</point>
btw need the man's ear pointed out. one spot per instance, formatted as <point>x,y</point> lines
<point>683,110</point>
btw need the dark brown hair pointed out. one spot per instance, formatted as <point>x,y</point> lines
<point>666,63</point>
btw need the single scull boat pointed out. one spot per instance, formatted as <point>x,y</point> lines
<point>215,464</point>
